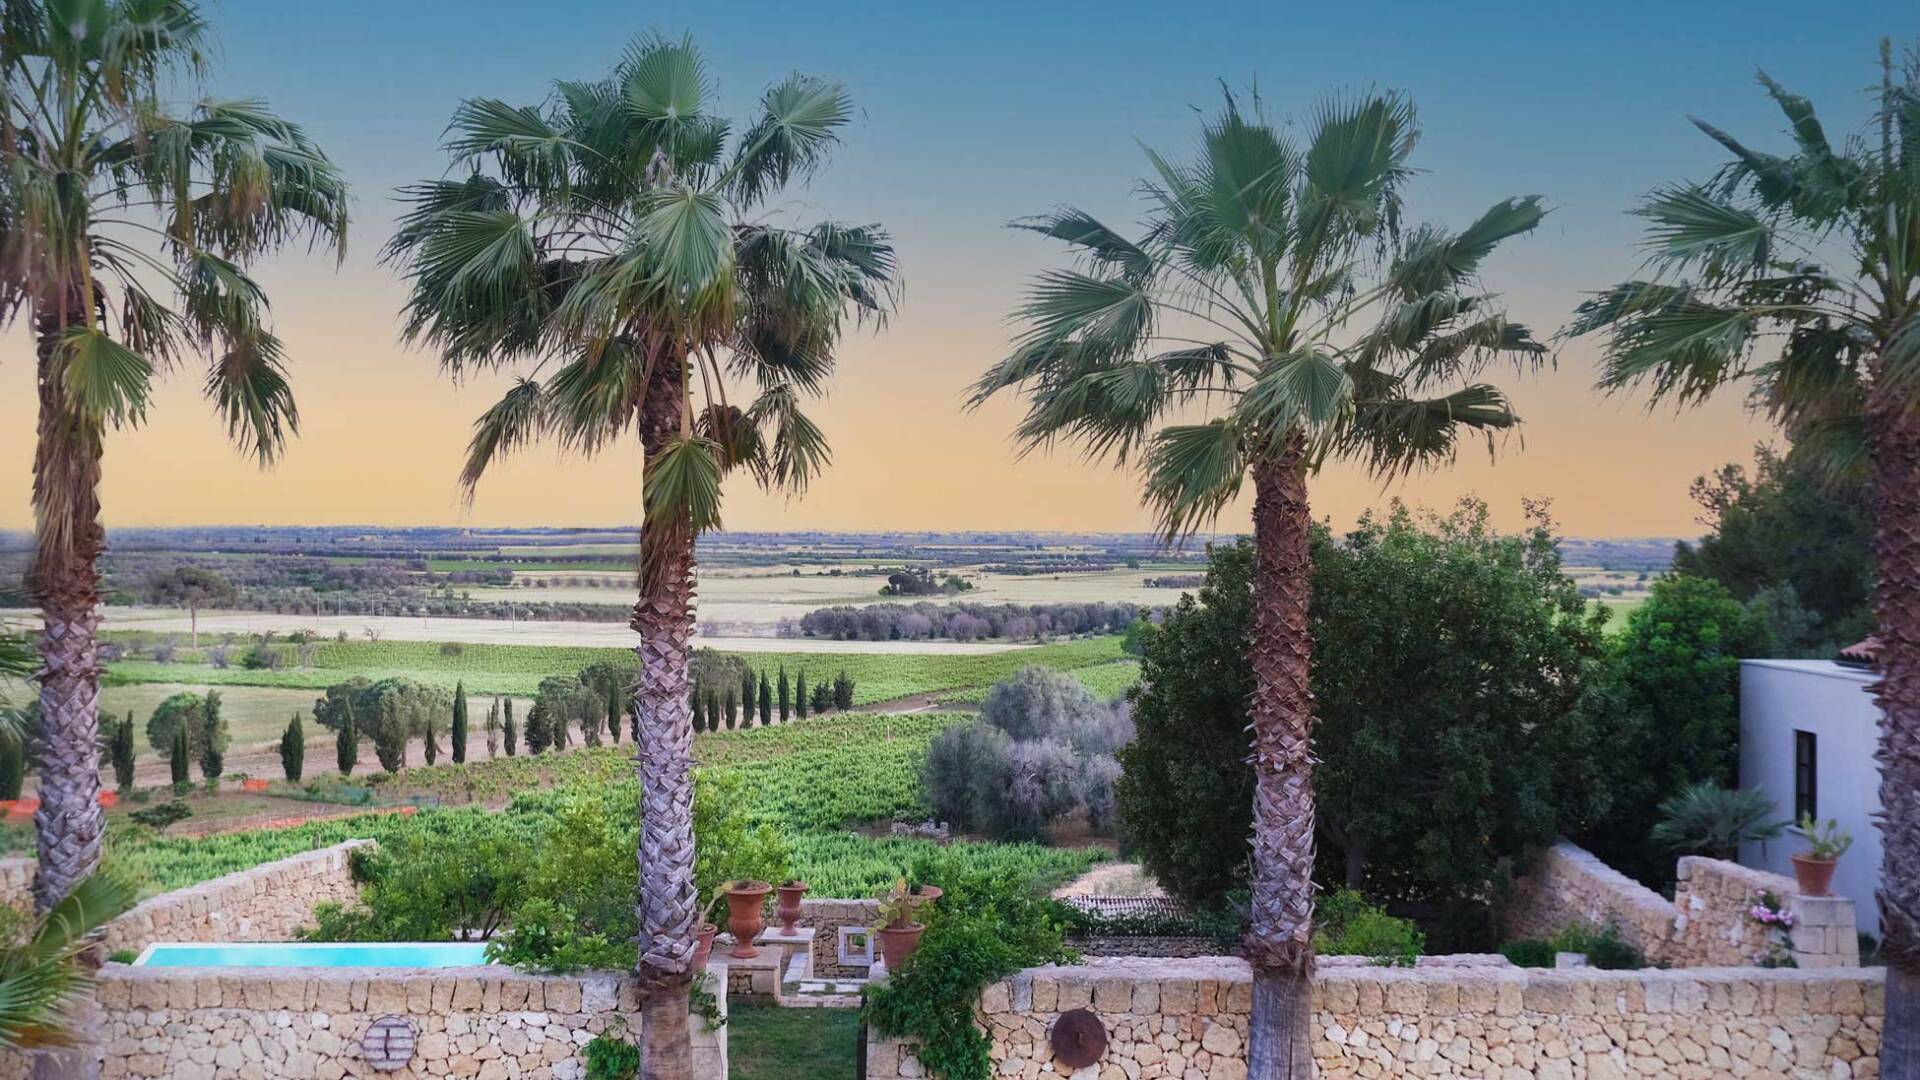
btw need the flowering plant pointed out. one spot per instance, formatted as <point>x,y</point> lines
<point>1769,913</point>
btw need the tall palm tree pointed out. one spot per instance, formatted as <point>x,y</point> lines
<point>1798,275</point>
<point>125,227</point>
<point>1272,317</point>
<point>617,240</point>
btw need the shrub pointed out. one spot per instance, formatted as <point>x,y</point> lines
<point>163,815</point>
<point>1603,947</point>
<point>1706,819</point>
<point>1529,953</point>
<point>1347,924</point>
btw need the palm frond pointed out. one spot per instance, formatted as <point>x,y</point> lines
<point>1192,472</point>
<point>1433,260</point>
<point>103,381</point>
<point>249,389</point>
<point>508,425</point>
<point>682,484</point>
<point>40,976</point>
<point>799,124</point>
<point>1086,234</point>
<point>1394,436</point>
<point>1355,163</point>
<point>1305,389</point>
<point>1692,227</point>
<point>796,450</point>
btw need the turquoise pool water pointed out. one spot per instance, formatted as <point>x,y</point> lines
<point>428,954</point>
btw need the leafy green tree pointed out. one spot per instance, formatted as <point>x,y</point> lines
<point>1669,705</point>
<point>346,743</point>
<point>511,734</point>
<point>1274,316</point>
<point>459,746</point>
<point>190,587</point>
<point>786,695</point>
<point>618,232</point>
<point>1798,276</point>
<point>122,753</point>
<point>129,225</point>
<point>213,737</point>
<point>1785,540</point>
<point>293,749</point>
<point>1134,641</point>
<point>766,700</point>
<point>185,709</point>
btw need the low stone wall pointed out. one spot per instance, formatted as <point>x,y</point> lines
<point>826,916</point>
<point>1567,885</point>
<point>1187,1020</point>
<point>307,1023</point>
<point>16,882</point>
<point>1707,924</point>
<point>271,902</point>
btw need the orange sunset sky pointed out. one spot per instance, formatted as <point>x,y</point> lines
<point>963,128</point>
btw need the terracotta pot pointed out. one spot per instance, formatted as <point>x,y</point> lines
<point>1813,876</point>
<point>703,947</point>
<point>898,942</point>
<point>789,910</point>
<point>743,916</point>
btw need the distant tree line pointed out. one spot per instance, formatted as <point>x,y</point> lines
<point>728,695</point>
<point>964,621</point>
<point>1175,581</point>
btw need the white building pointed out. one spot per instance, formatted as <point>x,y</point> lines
<point>1808,730</point>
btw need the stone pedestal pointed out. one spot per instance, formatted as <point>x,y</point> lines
<point>755,978</point>
<point>796,946</point>
<point>1824,933</point>
<point>710,1043</point>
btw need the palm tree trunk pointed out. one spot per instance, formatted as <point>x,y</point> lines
<point>1279,943</point>
<point>1896,469</point>
<point>66,482</point>
<point>664,744</point>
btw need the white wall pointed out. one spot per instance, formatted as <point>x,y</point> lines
<point>1778,697</point>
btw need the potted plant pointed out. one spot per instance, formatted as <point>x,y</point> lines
<point>744,901</point>
<point>791,891</point>
<point>899,931</point>
<point>705,931</point>
<point>1813,868</point>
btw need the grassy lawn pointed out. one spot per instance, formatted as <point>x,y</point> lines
<point>766,1042</point>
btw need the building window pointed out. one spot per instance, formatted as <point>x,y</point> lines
<point>1806,775</point>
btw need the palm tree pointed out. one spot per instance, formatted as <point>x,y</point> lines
<point>113,206</point>
<point>1273,316</point>
<point>1799,276</point>
<point>40,969</point>
<point>616,238</point>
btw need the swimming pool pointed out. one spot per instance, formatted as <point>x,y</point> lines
<point>411,954</point>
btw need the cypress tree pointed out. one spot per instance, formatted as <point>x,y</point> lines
<point>731,706</point>
<point>613,712</point>
<point>433,738</point>
<point>346,743</point>
<point>800,693</point>
<point>390,737</point>
<point>213,741</point>
<point>842,691</point>
<point>13,767</point>
<point>493,729</point>
<point>766,700</point>
<point>537,734</point>
<point>459,723</point>
<point>123,754</point>
<point>293,749</point>
<point>747,688</point>
<point>713,710</point>
<point>699,722</point>
<point>179,758</point>
<point>786,695</point>
<point>512,733</point>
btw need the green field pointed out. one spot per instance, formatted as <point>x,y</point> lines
<point>1109,680</point>
<point>518,669</point>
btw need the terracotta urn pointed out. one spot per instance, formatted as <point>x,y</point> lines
<point>744,900</point>
<point>789,909</point>
<point>703,946</point>
<point>1814,877</point>
<point>898,942</point>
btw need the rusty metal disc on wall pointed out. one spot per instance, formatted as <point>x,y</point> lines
<point>1079,1039</point>
<point>388,1044</point>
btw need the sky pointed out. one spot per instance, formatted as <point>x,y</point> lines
<point>972,115</point>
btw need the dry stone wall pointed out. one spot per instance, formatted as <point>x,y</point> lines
<point>1707,924</point>
<point>1187,1020</point>
<point>826,916</point>
<point>308,1023</point>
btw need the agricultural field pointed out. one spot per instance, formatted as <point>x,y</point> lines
<point>880,674</point>
<point>814,781</point>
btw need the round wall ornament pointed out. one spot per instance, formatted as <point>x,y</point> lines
<point>388,1044</point>
<point>1078,1038</point>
